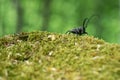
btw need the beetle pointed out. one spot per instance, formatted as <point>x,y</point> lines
<point>81,30</point>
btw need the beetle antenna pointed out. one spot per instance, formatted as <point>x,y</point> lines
<point>86,20</point>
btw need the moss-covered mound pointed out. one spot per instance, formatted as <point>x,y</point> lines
<point>51,56</point>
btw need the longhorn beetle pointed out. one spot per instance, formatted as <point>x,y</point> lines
<point>81,30</point>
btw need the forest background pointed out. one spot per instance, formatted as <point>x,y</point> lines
<point>60,16</point>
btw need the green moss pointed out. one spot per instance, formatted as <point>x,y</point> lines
<point>52,56</point>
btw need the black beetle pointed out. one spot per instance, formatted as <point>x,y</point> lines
<point>81,30</point>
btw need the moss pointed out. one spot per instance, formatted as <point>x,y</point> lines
<point>52,56</point>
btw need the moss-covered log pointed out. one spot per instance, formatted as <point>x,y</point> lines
<point>52,56</point>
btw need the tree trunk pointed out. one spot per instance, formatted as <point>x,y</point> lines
<point>46,14</point>
<point>19,12</point>
<point>99,12</point>
<point>2,21</point>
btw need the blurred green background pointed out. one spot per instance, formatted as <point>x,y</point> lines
<point>61,15</point>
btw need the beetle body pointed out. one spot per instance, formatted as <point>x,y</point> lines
<point>78,31</point>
